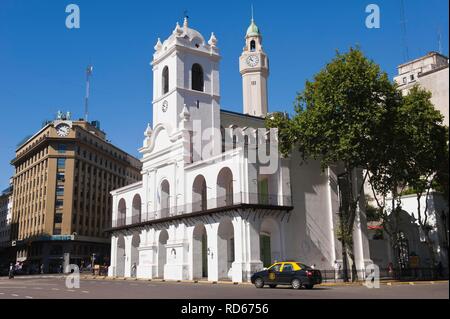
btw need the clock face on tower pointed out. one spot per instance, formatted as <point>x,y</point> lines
<point>165,106</point>
<point>252,60</point>
<point>62,130</point>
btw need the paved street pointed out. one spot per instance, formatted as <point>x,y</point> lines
<point>54,288</point>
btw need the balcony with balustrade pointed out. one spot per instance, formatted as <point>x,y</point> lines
<point>230,202</point>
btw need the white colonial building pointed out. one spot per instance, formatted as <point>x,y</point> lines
<point>207,206</point>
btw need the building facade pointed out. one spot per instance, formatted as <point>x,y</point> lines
<point>216,200</point>
<point>431,73</point>
<point>63,176</point>
<point>6,202</point>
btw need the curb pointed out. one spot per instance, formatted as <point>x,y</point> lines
<point>387,283</point>
<point>195,281</point>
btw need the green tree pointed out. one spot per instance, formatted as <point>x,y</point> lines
<point>339,117</point>
<point>427,150</point>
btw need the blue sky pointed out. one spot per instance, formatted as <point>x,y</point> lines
<point>42,63</point>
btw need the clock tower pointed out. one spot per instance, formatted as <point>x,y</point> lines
<point>254,68</point>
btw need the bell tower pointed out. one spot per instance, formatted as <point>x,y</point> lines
<point>254,68</point>
<point>186,73</point>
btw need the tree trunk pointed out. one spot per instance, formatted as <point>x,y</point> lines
<point>344,261</point>
<point>354,270</point>
<point>431,251</point>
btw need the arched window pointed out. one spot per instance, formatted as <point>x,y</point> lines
<point>197,77</point>
<point>164,199</point>
<point>225,187</point>
<point>136,209</point>
<point>122,213</point>
<point>252,45</point>
<point>199,202</point>
<point>165,79</point>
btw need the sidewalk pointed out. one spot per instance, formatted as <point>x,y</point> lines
<point>325,284</point>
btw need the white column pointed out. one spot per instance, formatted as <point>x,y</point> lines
<point>254,262</point>
<point>145,194</point>
<point>212,251</point>
<point>238,273</point>
<point>113,257</point>
<point>114,210</point>
<point>147,263</point>
<point>360,239</point>
<point>331,229</point>
<point>127,271</point>
<point>177,267</point>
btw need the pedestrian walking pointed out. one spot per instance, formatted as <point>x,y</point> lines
<point>337,268</point>
<point>11,271</point>
<point>390,270</point>
<point>133,270</point>
<point>42,269</point>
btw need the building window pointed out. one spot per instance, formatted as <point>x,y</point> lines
<point>412,77</point>
<point>58,218</point>
<point>59,203</point>
<point>60,177</point>
<point>165,79</point>
<point>252,45</point>
<point>60,191</point>
<point>405,80</point>
<point>197,77</point>
<point>61,162</point>
<point>62,148</point>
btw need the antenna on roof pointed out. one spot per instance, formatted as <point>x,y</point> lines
<point>403,24</point>
<point>252,11</point>
<point>439,40</point>
<point>89,70</point>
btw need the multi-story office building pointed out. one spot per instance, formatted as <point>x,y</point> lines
<point>63,176</point>
<point>431,73</point>
<point>5,225</point>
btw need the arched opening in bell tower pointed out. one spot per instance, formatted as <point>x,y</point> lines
<point>252,45</point>
<point>197,77</point>
<point>165,79</point>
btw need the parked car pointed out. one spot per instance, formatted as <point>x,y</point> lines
<point>291,273</point>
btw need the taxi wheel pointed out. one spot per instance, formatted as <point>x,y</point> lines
<point>259,283</point>
<point>296,284</point>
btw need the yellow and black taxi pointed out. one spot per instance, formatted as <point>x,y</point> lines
<point>291,273</point>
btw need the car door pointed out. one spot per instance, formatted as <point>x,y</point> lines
<point>273,274</point>
<point>287,273</point>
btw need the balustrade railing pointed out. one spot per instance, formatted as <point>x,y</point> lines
<point>202,205</point>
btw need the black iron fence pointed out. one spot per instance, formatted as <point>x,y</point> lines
<point>331,275</point>
<point>202,205</point>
